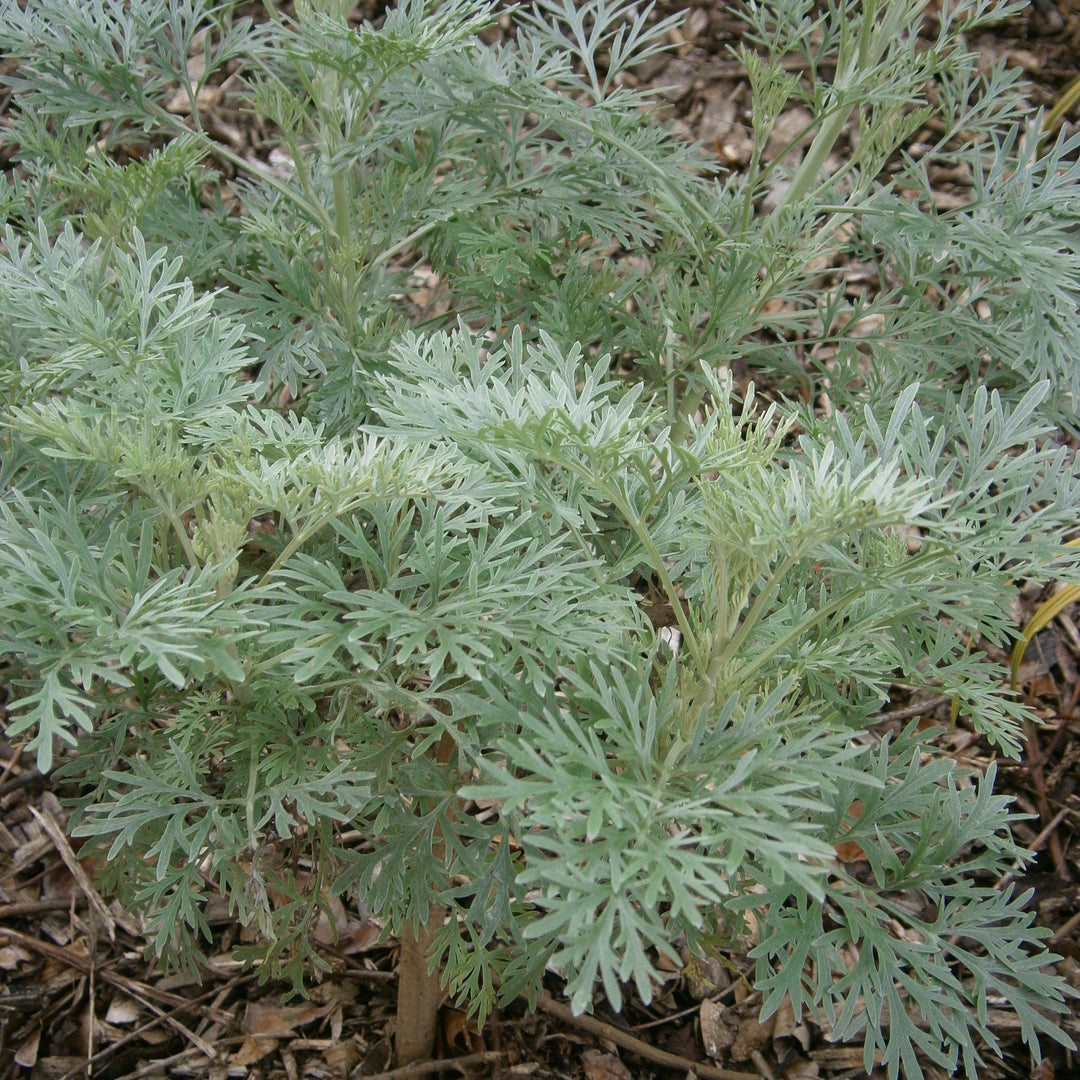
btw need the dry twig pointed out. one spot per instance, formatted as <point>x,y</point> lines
<point>636,1046</point>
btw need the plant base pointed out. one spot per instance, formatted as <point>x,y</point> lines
<point>419,992</point>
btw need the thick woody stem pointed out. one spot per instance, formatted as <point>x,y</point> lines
<point>418,992</point>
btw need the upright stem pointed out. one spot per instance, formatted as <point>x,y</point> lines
<point>419,991</point>
<point>861,49</point>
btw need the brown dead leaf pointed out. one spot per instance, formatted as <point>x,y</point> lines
<point>206,98</point>
<point>753,1037</point>
<point>122,1010</point>
<point>1030,61</point>
<point>716,1035</point>
<point>59,931</point>
<point>377,1058</point>
<point>332,921</point>
<point>848,851</point>
<point>704,976</point>
<point>423,284</point>
<point>600,1066</point>
<point>30,849</point>
<point>717,120</point>
<point>867,326</point>
<point>788,1036</point>
<point>11,956</point>
<point>342,1056</point>
<point>333,994</point>
<point>279,1021</point>
<point>461,1033</point>
<point>359,937</point>
<point>696,23</point>
<point>253,1050</point>
<point>8,844</point>
<point>774,305</point>
<point>27,1053</point>
<point>127,922</point>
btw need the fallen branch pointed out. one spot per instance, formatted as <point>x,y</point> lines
<point>426,1068</point>
<point>636,1046</point>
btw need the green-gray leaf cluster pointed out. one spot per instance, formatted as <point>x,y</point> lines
<point>395,483</point>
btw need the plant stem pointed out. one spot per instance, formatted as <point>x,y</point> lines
<point>861,50</point>
<point>303,534</point>
<point>768,590</point>
<point>689,202</point>
<point>249,800</point>
<point>661,571</point>
<point>419,991</point>
<point>420,986</point>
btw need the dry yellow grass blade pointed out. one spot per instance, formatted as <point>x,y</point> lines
<point>1045,613</point>
<point>1064,103</point>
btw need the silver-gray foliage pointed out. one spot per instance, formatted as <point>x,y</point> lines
<point>270,537</point>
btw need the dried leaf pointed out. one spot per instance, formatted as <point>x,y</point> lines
<point>792,130</point>
<point>461,1033</point>
<point>803,1069</point>
<point>208,97</point>
<point>279,1021</point>
<point>1044,614</point>
<point>27,1053</point>
<point>253,1050</point>
<point>753,1037</point>
<point>342,1057</point>
<point>11,956</point>
<point>122,1010</point>
<point>704,976</point>
<point>716,1035</point>
<point>787,1033</point>
<point>599,1066</point>
<point>332,921</point>
<point>848,851</point>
